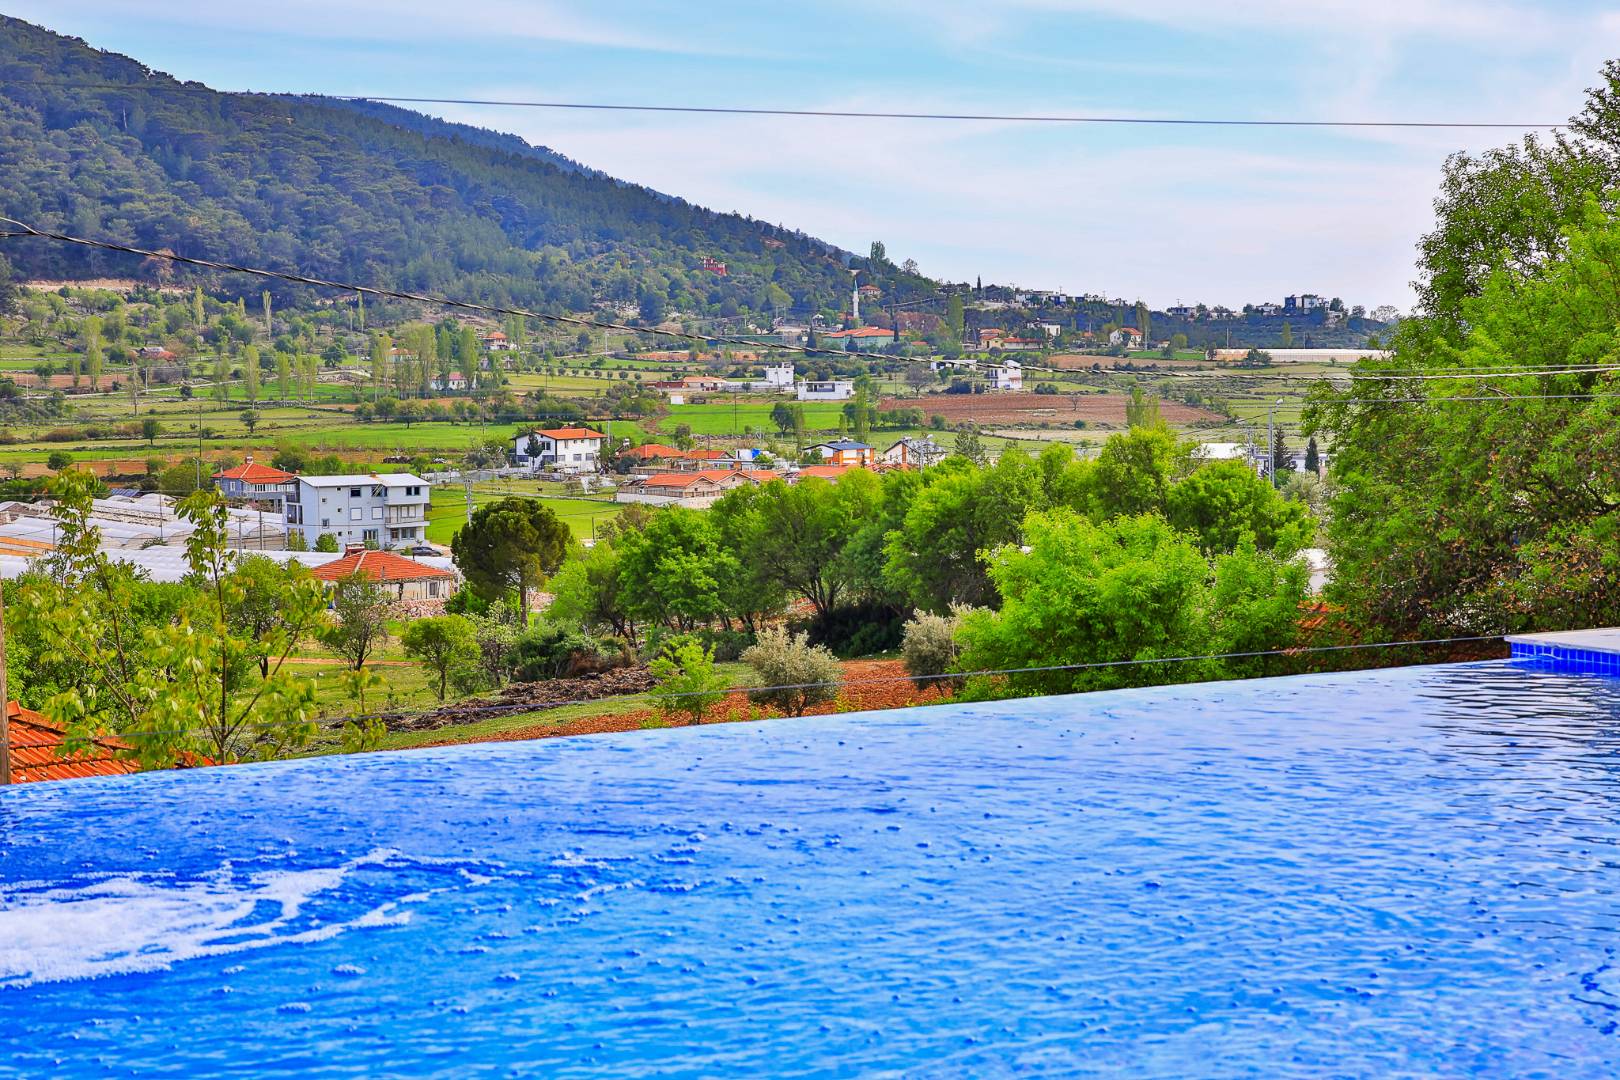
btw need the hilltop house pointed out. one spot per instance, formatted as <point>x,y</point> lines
<point>913,452</point>
<point>1128,336</point>
<point>826,389</point>
<point>495,341</point>
<point>260,486</point>
<point>568,450</point>
<point>385,509</point>
<point>400,578</point>
<point>845,452</point>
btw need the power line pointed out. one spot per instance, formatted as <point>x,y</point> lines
<point>517,708</point>
<point>840,114</point>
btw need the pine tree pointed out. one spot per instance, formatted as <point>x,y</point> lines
<point>1313,459</point>
<point>1281,461</point>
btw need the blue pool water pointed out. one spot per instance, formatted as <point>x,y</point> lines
<point>1395,873</point>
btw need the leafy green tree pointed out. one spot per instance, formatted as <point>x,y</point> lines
<point>326,542</point>
<point>511,546</point>
<point>971,447</point>
<point>173,687</point>
<point>687,680</point>
<point>94,356</point>
<point>673,569</point>
<point>443,644</point>
<point>57,460</point>
<point>250,369</point>
<point>360,612</point>
<point>1221,503</point>
<point>1142,411</point>
<point>1133,471</point>
<point>1487,512</point>
<point>150,430</point>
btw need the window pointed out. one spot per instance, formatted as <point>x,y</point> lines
<point>369,535</point>
<point>354,515</point>
<point>376,513</point>
<point>354,493</point>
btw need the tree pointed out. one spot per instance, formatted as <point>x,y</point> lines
<point>443,644</point>
<point>589,591</point>
<point>971,447</point>
<point>1281,460</point>
<point>254,611</point>
<point>687,681</point>
<point>511,546</point>
<point>1286,336</point>
<point>954,318</point>
<point>175,687</point>
<point>1129,589</point>
<point>1224,503</point>
<point>93,355</point>
<point>782,417</point>
<point>1313,458</point>
<point>250,420</point>
<point>326,542</point>
<point>673,569</point>
<point>1142,411</point>
<point>150,430</point>
<point>57,460</point>
<point>794,675</point>
<point>360,610</point>
<point>250,369</point>
<point>283,376</point>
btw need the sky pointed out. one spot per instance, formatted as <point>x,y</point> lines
<point>1161,213</point>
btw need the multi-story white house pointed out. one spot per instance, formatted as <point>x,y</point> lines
<point>1007,375</point>
<point>568,450</point>
<point>385,509</point>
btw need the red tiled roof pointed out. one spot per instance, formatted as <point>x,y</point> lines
<point>378,566</point>
<point>570,433</point>
<point>705,455</point>
<point>254,473</point>
<point>651,451</point>
<point>687,479</point>
<point>36,746</point>
<point>825,472</point>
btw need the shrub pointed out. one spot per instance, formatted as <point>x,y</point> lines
<point>929,647</point>
<point>554,651</point>
<point>796,674</point>
<point>858,629</point>
<point>687,681</point>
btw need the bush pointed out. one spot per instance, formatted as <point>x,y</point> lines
<point>929,647</point>
<point>859,629</point>
<point>796,674</point>
<point>552,651</point>
<point>687,681</point>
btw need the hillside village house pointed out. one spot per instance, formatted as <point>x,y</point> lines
<point>1007,375</point>
<point>697,490</point>
<point>566,450</point>
<point>845,452</point>
<point>912,452</point>
<point>399,577</point>
<point>260,486</point>
<point>1128,336</point>
<point>453,381</point>
<point>384,509</point>
<point>826,389</point>
<point>495,341</point>
<point>1017,344</point>
<point>863,337</point>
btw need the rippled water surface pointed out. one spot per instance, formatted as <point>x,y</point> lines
<point>1396,873</point>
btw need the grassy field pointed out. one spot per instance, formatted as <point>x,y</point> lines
<point>448,510</point>
<point>724,418</point>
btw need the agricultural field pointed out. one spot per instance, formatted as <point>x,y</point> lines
<point>1031,408</point>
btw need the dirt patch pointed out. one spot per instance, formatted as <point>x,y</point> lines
<point>523,697</point>
<point>1060,409</point>
<point>869,684</point>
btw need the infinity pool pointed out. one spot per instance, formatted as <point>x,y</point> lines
<point>1408,872</point>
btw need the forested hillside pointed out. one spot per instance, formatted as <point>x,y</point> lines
<point>366,193</point>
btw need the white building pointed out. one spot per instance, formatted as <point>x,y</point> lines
<point>1007,375</point>
<point>385,509</point>
<point>568,450</point>
<point>779,376</point>
<point>913,452</point>
<point>826,389</point>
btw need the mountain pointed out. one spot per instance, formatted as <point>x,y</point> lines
<point>97,144</point>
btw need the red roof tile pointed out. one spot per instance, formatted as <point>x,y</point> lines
<point>570,433</point>
<point>36,751</point>
<point>254,473</point>
<point>825,472</point>
<point>378,566</point>
<point>651,451</point>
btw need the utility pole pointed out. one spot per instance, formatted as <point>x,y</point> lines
<point>5,702</point>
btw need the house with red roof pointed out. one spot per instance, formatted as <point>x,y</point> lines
<point>37,751</point>
<point>564,450</point>
<point>1128,336</point>
<point>259,486</point>
<point>697,490</point>
<point>401,578</point>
